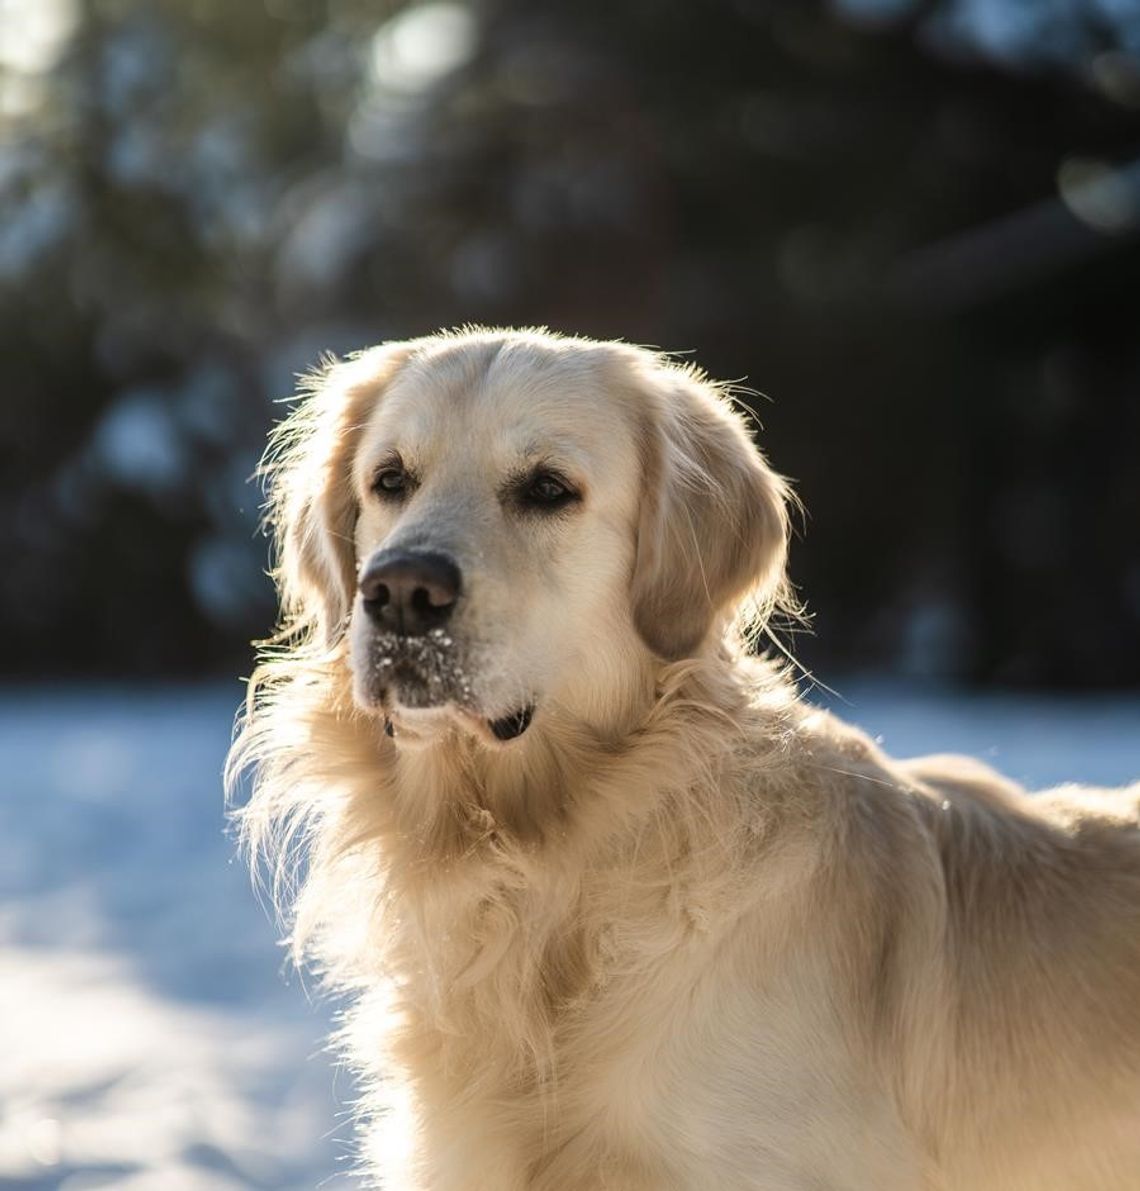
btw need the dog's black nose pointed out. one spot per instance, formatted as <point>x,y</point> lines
<point>409,591</point>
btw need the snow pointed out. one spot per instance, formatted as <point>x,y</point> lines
<point>154,1037</point>
<point>1039,740</point>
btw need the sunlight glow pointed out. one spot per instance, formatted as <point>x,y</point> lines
<point>34,33</point>
<point>1100,196</point>
<point>420,46</point>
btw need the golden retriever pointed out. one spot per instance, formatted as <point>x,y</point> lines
<point>616,907</point>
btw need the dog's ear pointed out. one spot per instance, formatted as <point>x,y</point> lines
<point>312,507</point>
<point>713,527</point>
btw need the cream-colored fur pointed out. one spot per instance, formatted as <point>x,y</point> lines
<point>686,932</point>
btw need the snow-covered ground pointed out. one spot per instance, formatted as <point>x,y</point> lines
<point>152,1036</point>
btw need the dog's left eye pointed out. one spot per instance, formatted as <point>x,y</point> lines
<point>390,481</point>
<point>547,490</point>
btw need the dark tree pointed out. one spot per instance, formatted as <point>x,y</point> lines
<point>912,225</point>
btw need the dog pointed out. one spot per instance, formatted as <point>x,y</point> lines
<point>615,906</point>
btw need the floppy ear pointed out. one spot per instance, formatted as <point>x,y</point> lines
<point>312,507</point>
<point>713,527</point>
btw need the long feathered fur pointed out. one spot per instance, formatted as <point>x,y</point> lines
<point>539,939</point>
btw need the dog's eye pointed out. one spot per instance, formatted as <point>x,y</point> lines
<point>546,490</point>
<point>390,481</point>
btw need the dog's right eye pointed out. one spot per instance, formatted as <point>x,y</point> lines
<point>390,481</point>
<point>546,491</point>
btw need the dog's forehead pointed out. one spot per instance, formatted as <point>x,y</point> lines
<point>507,406</point>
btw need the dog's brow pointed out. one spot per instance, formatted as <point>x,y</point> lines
<point>553,450</point>
<point>377,454</point>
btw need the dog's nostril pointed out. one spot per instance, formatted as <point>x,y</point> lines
<point>425,599</point>
<point>375,593</point>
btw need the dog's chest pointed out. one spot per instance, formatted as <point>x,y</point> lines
<point>646,1047</point>
<point>529,992</point>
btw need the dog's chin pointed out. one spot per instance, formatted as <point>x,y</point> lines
<point>423,724</point>
<point>422,693</point>
<point>413,715</point>
<point>410,727</point>
<point>413,726</point>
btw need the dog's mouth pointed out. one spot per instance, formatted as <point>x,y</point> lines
<point>416,687</point>
<point>510,727</point>
<point>416,672</point>
<point>504,729</point>
<point>415,680</point>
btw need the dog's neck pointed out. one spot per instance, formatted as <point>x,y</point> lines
<point>472,840</point>
<point>455,782</point>
<point>460,836</point>
<point>565,780</point>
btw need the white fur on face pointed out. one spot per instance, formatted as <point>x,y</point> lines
<point>544,610</point>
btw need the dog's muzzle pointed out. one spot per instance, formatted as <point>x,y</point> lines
<point>407,654</point>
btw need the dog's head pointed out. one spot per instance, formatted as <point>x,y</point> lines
<point>499,523</point>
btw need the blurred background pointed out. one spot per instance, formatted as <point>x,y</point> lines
<point>913,226</point>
